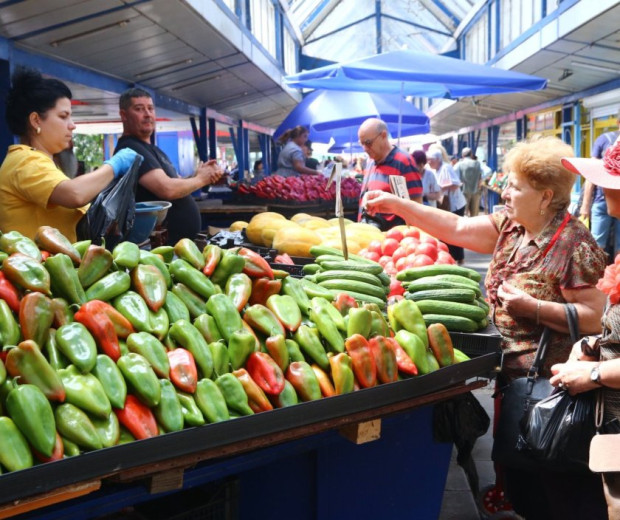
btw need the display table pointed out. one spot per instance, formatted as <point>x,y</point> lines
<point>294,450</point>
<point>222,215</point>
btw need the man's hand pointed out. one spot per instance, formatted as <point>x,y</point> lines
<point>209,172</point>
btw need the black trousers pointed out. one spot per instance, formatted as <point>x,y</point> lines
<point>457,252</point>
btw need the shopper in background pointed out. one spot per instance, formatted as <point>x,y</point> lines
<point>469,171</point>
<point>385,160</point>
<point>431,191</point>
<point>158,178</point>
<point>33,190</point>
<point>311,162</point>
<point>454,200</point>
<point>604,227</point>
<point>542,258</point>
<point>292,158</point>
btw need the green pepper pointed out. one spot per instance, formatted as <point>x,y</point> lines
<point>55,357</point>
<point>148,258</point>
<point>26,362</point>
<point>342,373</point>
<point>14,242</point>
<point>9,328</point>
<point>308,340</point>
<point>181,271</point>
<point>188,336</point>
<point>192,415</point>
<point>2,374</point>
<point>149,283</point>
<point>169,412</point>
<point>26,272</point>
<point>75,425</point>
<point>329,329</point>
<point>287,397</point>
<point>175,308</point>
<point>96,263</point>
<point>360,322</point>
<point>53,241</point>
<point>152,350</point>
<point>160,323</point>
<point>239,289</point>
<point>109,287</point>
<point>78,345</point>
<point>211,402</point>
<point>225,314</point>
<point>133,307</point>
<point>304,381</point>
<point>286,310</point>
<point>63,313</point>
<point>294,352</point>
<point>221,358</point>
<point>140,377</point>
<point>230,263</point>
<point>188,251</point>
<point>85,391</point>
<point>240,346</point>
<point>378,325</point>
<point>314,290</point>
<point>108,429</point>
<point>276,348</point>
<point>413,345</point>
<point>15,453</point>
<point>234,394</point>
<point>262,320</point>
<point>82,246</point>
<point>126,254</point>
<point>111,379</point>
<point>194,303</point>
<point>33,415</point>
<point>64,278</point>
<point>71,449</point>
<point>405,314</point>
<point>166,252</point>
<point>125,436</point>
<point>207,326</point>
<point>212,254</point>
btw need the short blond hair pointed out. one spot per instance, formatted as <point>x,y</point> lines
<point>538,159</point>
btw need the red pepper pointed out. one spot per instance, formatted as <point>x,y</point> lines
<point>183,371</point>
<point>404,362</point>
<point>325,384</point>
<point>343,302</point>
<point>256,397</point>
<point>255,265</point>
<point>9,293</point>
<point>137,418</point>
<point>284,258</point>
<point>212,255</point>
<point>265,372</point>
<point>122,326</point>
<point>364,365</point>
<point>263,288</point>
<point>384,353</point>
<point>101,327</point>
<point>45,255</point>
<point>59,448</point>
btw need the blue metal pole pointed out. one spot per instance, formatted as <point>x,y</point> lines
<point>6,137</point>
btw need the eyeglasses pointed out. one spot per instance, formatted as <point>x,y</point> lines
<point>368,142</point>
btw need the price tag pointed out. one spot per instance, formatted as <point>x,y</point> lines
<point>398,185</point>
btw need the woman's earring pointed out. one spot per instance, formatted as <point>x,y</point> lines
<point>542,212</point>
<point>38,130</point>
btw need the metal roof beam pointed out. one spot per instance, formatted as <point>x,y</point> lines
<point>441,12</point>
<point>317,16</point>
<point>417,25</point>
<point>331,33</point>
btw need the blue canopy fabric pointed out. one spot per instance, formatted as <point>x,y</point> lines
<point>325,111</point>
<point>416,74</point>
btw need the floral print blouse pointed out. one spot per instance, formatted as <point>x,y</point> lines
<point>563,256</point>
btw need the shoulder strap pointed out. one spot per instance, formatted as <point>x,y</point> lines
<point>573,321</point>
<point>541,353</point>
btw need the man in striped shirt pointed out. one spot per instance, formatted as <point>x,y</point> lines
<point>385,160</point>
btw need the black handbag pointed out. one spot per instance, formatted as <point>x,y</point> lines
<point>518,399</point>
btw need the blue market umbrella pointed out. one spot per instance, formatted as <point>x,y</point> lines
<point>326,111</point>
<point>349,134</point>
<point>417,74</point>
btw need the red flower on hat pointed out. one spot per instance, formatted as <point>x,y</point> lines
<point>610,283</point>
<point>611,160</point>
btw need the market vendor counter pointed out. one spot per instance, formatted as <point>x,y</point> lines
<point>214,212</point>
<point>301,462</point>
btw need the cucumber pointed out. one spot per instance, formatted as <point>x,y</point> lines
<point>329,258</point>
<point>352,266</point>
<point>349,275</point>
<point>312,289</point>
<point>385,278</point>
<point>311,268</point>
<point>425,284</point>
<point>413,273</point>
<point>326,250</point>
<point>466,310</point>
<point>481,302</point>
<point>357,287</point>
<point>453,323</point>
<point>446,295</point>
<point>366,298</point>
<point>458,279</point>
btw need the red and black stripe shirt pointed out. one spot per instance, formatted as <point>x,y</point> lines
<point>396,162</point>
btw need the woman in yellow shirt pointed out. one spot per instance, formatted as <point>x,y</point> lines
<point>33,191</point>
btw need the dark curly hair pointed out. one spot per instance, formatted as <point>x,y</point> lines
<point>31,92</point>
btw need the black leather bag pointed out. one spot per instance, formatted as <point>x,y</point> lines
<point>518,398</point>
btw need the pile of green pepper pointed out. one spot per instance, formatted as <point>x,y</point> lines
<point>102,347</point>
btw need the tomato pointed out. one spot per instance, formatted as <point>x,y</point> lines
<point>429,240</point>
<point>390,269</point>
<point>394,233</point>
<point>442,246</point>
<point>384,260</point>
<point>363,252</point>
<point>374,246</point>
<point>371,255</point>
<point>401,263</point>
<point>388,246</point>
<point>410,249</point>
<point>396,287</point>
<point>443,257</point>
<point>422,260</point>
<point>428,249</point>
<point>412,232</point>
<point>410,259</point>
<point>399,253</point>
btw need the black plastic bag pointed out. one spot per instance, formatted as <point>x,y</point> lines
<point>111,215</point>
<point>557,431</point>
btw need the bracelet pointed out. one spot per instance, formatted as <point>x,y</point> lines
<point>538,306</point>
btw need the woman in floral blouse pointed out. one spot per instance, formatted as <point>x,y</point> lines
<point>542,259</point>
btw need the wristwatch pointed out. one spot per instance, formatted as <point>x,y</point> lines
<point>595,375</point>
